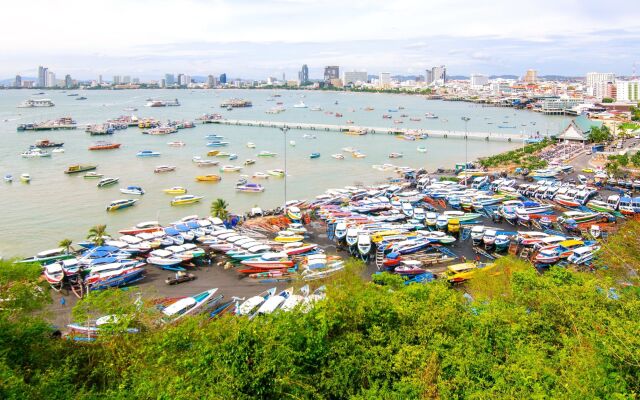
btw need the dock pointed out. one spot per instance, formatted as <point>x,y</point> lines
<point>487,136</point>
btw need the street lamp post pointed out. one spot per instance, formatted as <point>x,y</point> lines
<point>284,130</point>
<point>466,139</point>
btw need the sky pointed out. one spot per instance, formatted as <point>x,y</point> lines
<point>261,38</point>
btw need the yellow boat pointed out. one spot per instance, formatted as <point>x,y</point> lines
<point>208,178</point>
<point>213,153</point>
<point>459,273</point>
<point>380,236</point>
<point>175,190</point>
<point>288,237</point>
<point>454,225</point>
<point>185,199</point>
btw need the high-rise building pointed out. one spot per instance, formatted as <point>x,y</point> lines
<point>162,83</point>
<point>428,76</point>
<point>18,81</point>
<point>223,79</point>
<point>169,79</point>
<point>68,82</point>
<point>117,79</point>
<point>354,77</point>
<point>597,83</point>
<point>126,79</point>
<point>135,81</point>
<point>531,76</point>
<point>384,80</point>
<point>42,76</point>
<point>439,75</point>
<point>184,80</point>
<point>331,72</point>
<point>628,91</point>
<point>478,80</point>
<point>303,75</point>
<point>99,79</point>
<point>51,79</point>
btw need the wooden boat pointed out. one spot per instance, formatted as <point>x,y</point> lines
<point>175,190</point>
<point>77,168</point>
<point>208,178</point>
<point>46,143</point>
<point>104,146</point>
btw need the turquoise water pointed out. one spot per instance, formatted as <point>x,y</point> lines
<point>54,206</point>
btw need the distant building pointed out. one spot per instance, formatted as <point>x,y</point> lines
<point>126,79</point>
<point>331,72</point>
<point>117,79</point>
<point>384,80</point>
<point>354,77</point>
<point>163,83</point>
<point>439,75</point>
<point>42,76</point>
<point>428,76</point>
<point>184,80</point>
<point>212,81</point>
<point>135,81</point>
<point>628,91</point>
<point>28,84</point>
<point>51,79</point>
<point>531,76</point>
<point>477,80</point>
<point>597,83</point>
<point>169,79</point>
<point>303,75</point>
<point>17,82</point>
<point>223,79</point>
<point>68,82</point>
<point>99,79</point>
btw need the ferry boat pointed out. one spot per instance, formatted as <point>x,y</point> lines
<point>77,168</point>
<point>235,103</point>
<point>104,146</point>
<point>32,103</point>
<point>163,103</point>
<point>186,199</point>
<point>119,204</point>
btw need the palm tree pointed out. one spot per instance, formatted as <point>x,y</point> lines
<point>66,244</point>
<point>219,209</point>
<point>97,234</point>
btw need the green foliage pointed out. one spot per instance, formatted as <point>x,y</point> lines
<point>635,113</point>
<point>607,100</point>
<point>448,178</point>
<point>600,134</point>
<point>97,234</point>
<point>635,159</point>
<point>520,157</point>
<point>219,209</point>
<point>66,244</point>
<point>524,335</point>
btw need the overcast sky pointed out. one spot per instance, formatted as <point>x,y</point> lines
<point>260,38</point>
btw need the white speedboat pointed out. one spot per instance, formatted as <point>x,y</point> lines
<point>300,105</point>
<point>135,190</point>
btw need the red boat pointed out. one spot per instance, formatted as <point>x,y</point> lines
<point>104,146</point>
<point>262,264</point>
<point>300,250</point>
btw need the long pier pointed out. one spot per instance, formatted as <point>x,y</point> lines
<point>487,136</point>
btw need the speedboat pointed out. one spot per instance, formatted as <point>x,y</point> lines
<point>249,162</point>
<point>338,156</point>
<point>164,168</point>
<point>276,172</point>
<point>148,153</point>
<point>314,155</point>
<point>300,105</point>
<point>175,190</point>
<point>422,149</point>
<point>119,204</point>
<point>251,145</point>
<point>294,213</point>
<point>230,168</point>
<point>208,178</point>
<point>107,182</point>
<point>395,155</point>
<point>583,254</point>
<point>250,187</point>
<point>136,190</point>
<point>186,199</point>
<point>217,144</point>
<point>190,305</point>
<point>177,144</point>
<point>8,178</point>
<point>249,306</point>
<point>265,153</point>
<point>35,152</point>
<point>260,175</point>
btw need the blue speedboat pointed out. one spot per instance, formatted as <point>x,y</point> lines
<point>314,155</point>
<point>217,144</point>
<point>148,153</point>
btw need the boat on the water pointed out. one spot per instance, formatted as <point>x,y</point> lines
<point>314,155</point>
<point>93,175</point>
<point>104,146</point>
<point>175,190</point>
<point>186,199</point>
<point>122,203</point>
<point>77,168</point>
<point>395,155</point>
<point>276,172</point>
<point>249,161</point>
<point>46,143</point>
<point>35,152</point>
<point>230,168</point>
<point>250,187</point>
<point>164,168</point>
<point>148,153</point>
<point>338,156</point>
<point>177,144</point>
<point>135,190</point>
<point>208,178</point>
<point>104,182</point>
<point>265,153</point>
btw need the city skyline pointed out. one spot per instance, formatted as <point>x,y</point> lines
<point>253,40</point>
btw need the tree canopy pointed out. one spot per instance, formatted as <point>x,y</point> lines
<point>600,134</point>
